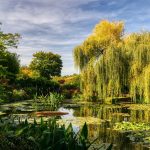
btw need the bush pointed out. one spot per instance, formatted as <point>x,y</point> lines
<point>70,85</point>
<point>5,94</point>
<point>19,95</point>
<point>36,86</point>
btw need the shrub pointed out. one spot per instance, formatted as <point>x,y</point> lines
<point>38,85</point>
<point>19,95</point>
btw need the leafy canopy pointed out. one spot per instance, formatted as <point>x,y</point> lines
<point>112,65</point>
<point>104,34</point>
<point>8,40</point>
<point>9,62</point>
<point>47,64</point>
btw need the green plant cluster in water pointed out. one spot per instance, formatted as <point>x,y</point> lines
<point>49,102</point>
<point>131,126</point>
<point>137,132</point>
<point>43,136</point>
<point>113,65</point>
<point>142,136</point>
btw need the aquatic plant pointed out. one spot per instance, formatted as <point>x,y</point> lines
<point>49,102</point>
<point>136,132</point>
<point>131,126</point>
<point>45,135</point>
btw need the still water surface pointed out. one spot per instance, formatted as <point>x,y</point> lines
<point>100,119</point>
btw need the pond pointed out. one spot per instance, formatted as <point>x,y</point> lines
<point>100,119</point>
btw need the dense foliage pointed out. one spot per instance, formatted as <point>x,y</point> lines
<point>9,63</point>
<point>113,65</point>
<point>36,85</point>
<point>20,83</point>
<point>136,132</point>
<point>69,85</point>
<point>47,64</point>
<point>42,136</point>
<point>49,102</point>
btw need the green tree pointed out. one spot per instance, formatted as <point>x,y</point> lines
<point>103,36</point>
<point>114,65</point>
<point>8,61</point>
<point>8,40</point>
<point>47,64</point>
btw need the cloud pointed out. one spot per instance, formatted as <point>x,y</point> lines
<point>59,26</point>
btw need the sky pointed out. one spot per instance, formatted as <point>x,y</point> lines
<point>60,25</point>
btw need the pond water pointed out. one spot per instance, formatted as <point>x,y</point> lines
<point>100,119</point>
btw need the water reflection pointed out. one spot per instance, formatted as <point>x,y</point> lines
<point>100,119</point>
<point>108,115</point>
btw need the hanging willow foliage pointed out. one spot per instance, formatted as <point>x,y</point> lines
<point>105,76</point>
<point>138,48</point>
<point>103,35</point>
<point>112,66</point>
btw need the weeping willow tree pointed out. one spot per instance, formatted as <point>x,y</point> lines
<point>137,47</point>
<point>104,34</point>
<point>112,65</point>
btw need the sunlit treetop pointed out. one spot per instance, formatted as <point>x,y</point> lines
<point>104,34</point>
<point>8,40</point>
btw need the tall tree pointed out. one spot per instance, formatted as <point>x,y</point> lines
<point>9,62</point>
<point>104,34</point>
<point>112,65</point>
<point>8,40</point>
<point>47,64</point>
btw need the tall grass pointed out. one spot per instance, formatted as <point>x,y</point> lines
<point>49,102</point>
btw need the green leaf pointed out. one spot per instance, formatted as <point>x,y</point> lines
<point>84,132</point>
